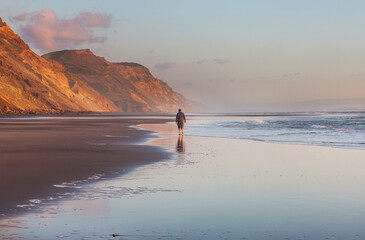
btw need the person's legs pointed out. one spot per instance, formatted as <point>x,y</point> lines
<point>180,125</point>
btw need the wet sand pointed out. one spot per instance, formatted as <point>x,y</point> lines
<point>37,153</point>
<point>213,188</point>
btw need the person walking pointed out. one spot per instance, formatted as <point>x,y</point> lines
<point>180,120</point>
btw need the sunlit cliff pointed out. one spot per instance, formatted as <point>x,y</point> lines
<point>76,81</point>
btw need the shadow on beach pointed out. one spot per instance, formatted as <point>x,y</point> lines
<point>38,154</point>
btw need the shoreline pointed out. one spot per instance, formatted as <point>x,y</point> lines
<point>236,187</point>
<point>38,156</point>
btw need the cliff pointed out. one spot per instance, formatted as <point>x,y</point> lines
<point>76,81</point>
<point>31,84</point>
<point>130,86</point>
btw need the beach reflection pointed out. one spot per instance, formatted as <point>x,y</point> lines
<point>180,148</point>
<point>218,189</point>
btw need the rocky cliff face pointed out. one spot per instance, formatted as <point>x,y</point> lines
<point>76,81</point>
<point>130,86</point>
<point>31,84</point>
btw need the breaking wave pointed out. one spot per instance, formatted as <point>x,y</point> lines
<point>336,130</point>
<point>330,128</point>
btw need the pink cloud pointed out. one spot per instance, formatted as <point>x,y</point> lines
<point>93,20</point>
<point>49,33</point>
<point>21,17</point>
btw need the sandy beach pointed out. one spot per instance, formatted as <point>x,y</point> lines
<point>40,152</point>
<point>212,188</point>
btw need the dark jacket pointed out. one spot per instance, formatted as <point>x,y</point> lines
<point>180,117</point>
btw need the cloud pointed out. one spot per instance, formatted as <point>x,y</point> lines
<point>223,81</point>
<point>90,19</point>
<point>217,61</point>
<point>220,61</point>
<point>200,61</point>
<point>164,66</point>
<point>21,17</point>
<point>295,74</point>
<point>355,75</point>
<point>48,32</point>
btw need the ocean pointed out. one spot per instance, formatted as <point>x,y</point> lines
<point>341,130</point>
<point>215,185</point>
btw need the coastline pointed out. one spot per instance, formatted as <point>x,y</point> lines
<point>38,155</point>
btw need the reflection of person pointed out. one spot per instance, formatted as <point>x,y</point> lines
<point>180,144</point>
<point>180,120</point>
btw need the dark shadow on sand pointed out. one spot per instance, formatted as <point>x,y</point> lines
<point>37,154</point>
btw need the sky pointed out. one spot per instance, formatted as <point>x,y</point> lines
<point>232,55</point>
